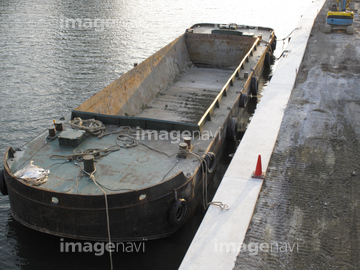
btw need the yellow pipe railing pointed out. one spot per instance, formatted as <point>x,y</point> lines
<point>216,102</point>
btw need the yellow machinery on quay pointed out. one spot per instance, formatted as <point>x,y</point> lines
<point>340,17</point>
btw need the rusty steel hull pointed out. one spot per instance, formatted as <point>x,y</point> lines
<point>198,84</point>
<point>84,217</point>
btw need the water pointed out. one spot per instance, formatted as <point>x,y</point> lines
<point>48,67</point>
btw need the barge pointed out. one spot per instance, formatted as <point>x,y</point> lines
<point>134,161</point>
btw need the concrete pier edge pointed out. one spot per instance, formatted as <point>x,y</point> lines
<point>221,233</point>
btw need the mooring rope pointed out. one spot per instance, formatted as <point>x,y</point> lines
<point>297,28</point>
<point>283,52</point>
<point>223,206</point>
<point>79,153</point>
<point>126,141</point>
<point>92,177</point>
<point>204,167</point>
<point>204,174</point>
<point>91,126</point>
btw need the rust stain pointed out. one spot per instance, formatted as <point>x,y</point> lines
<point>114,96</point>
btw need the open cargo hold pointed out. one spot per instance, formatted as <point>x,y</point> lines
<point>135,159</point>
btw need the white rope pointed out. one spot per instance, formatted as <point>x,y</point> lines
<point>297,28</point>
<point>204,167</point>
<point>79,153</point>
<point>92,177</point>
<point>91,126</point>
<point>126,141</point>
<point>223,206</point>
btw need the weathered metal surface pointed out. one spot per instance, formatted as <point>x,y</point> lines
<point>136,88</point>
<point>166,97</point>
<point>141,122</point>
<point>214,50</point>
<point>187,99</point>
<point>72,138</point>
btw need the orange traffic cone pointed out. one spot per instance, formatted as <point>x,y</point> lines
<point>258,173</point>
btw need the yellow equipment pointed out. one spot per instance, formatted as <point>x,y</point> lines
<point>340,17</point>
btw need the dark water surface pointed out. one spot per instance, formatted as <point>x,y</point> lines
<point>49,66</point>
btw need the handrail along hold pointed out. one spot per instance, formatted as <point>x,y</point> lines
<point>217,100</point>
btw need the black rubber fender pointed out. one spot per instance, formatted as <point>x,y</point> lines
<point>210,159</point>
<point>267,60</point>
<point>178,211</point>
<point>243,100</point>
<point>273,45</point>
<point>232,130</point>
<point>254,86</point>
<point>3,187</point>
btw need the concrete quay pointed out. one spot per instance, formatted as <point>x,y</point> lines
<point>308,208</point>
<point>303,215</point>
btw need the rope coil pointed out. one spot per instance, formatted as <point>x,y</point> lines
<point>91,126</point>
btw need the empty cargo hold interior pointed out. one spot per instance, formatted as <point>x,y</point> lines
<point>178,82</point>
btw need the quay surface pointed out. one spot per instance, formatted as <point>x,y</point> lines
<point>304,214</point>
<point>309,203</point>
